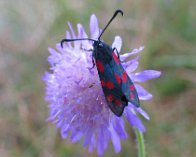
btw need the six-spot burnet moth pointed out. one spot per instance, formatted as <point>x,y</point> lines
<point>116,84</point>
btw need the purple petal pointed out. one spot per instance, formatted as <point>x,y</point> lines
<point>142,93</point>
<point>76,43</point>
<point>118,124</point>
<point>102,141</point>
<point>134,51</point>
<point>54,57</point>
<point>94,27</point>
<point>53,114</point>
<point>46,76</point>
<point>145,75</point>
<point>72,31</point>
<point>134,120</point>
<point>88,136</point>
<point>92,143</point>
<point>123,57</point>
<point>68,36</point>
<point>82,34</point>
<point>64,130</point>
<point>76,136</point>
<point>142,112</point>
<point>131,65</point>
<point>137,50</point>
<point>115,140</point>
<point>59,124</point>
<point>117,43</point>
<point>59,48</point>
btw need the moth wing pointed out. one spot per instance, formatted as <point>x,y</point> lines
<point>130,92</point>
<point>126,85</point>
<point>116,100</point>
<point>112,90</point>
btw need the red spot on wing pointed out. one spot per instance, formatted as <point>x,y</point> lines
<point>109,85</point>
<point>109,98</point>
<point>103,83</point>
<point>117,61</point>
<point>124,76</point>
<point>118,102</point>
<point>100,66</point>
<point>132,96</point>
<point>117,78</point>
<point>132,87</point>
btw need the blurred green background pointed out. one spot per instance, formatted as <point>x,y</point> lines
<point>167,29</point>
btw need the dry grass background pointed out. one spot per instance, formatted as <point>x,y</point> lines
<point>167,28</point>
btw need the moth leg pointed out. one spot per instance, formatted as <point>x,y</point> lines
<point>93,64</point>
<point>116,52</point>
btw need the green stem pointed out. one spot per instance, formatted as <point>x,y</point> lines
<point>140,143</point>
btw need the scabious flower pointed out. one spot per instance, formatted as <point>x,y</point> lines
<point>76,100</point>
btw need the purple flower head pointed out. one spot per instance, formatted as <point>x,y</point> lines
<point>76,100</point>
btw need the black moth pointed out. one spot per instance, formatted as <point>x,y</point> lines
<point>116,84</point>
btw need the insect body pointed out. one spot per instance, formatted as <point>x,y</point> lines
<point>116,84</point>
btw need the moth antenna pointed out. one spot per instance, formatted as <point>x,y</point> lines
<point>115,14</point>
<point>70,40</point>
